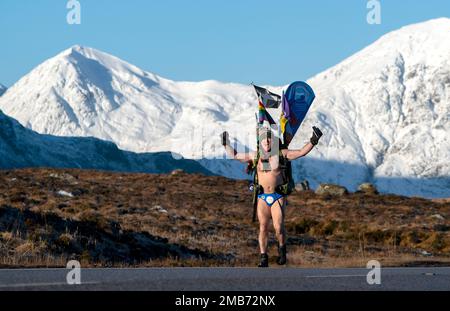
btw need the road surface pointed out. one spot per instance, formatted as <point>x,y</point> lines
<point>228,279</point>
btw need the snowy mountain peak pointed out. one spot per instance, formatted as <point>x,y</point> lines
<point>387,109</point>
<point>384,111</point>
<point>77,49</point>
<point>417,44</point>
<point>85,92</point>
<point>432,31</point>
<point>432,26</point>
<point>81,55</point>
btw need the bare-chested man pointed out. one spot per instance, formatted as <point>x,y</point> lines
<point>271,203</point>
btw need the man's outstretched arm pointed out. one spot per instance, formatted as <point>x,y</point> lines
<point>295,154</point>
<point>243,157</point>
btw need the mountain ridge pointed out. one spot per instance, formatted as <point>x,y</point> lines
<point>383,110</point>
<point>23,148</point>
<point>2,89</point>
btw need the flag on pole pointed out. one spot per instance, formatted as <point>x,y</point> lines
<point>295,104</point>
<point>266,99</point>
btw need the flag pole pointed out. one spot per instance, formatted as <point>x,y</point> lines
<point>255,174</point>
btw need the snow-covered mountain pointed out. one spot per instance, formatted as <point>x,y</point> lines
<point>384,111</point>
<point>85,92</point>
<point>2,89</point>
<point>21,147</point>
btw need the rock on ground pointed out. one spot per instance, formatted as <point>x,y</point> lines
<point>331,189</point>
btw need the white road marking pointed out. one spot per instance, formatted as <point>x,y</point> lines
<point>43,284</point>
<point>335,276</point>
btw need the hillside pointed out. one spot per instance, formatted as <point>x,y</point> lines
<point>21,147</point>
<point>115,219</point>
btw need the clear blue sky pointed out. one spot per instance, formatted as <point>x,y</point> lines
<point>268,42</point>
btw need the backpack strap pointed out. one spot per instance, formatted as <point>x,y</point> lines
<point>286,170</point>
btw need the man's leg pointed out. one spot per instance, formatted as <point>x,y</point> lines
<point>264,220</point>
<point>278,210</point>
<point>264,223</point>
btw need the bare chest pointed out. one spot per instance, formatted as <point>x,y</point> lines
<point>271,165</point>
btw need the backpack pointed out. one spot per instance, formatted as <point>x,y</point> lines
<point>288,185</point>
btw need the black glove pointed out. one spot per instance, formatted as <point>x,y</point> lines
<point>315,136</point>
<point>225,139</point>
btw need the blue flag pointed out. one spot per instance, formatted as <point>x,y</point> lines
<point>295,104</point>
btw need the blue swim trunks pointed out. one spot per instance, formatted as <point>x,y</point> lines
<point>270,198</point>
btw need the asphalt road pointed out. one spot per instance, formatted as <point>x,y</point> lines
<point>227,279</point>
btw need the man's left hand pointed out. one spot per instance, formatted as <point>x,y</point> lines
<point>317,133</point>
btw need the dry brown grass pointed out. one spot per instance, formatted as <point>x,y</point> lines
<point>117,219</point>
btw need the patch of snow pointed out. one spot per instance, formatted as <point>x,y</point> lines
<point>65,194</point>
